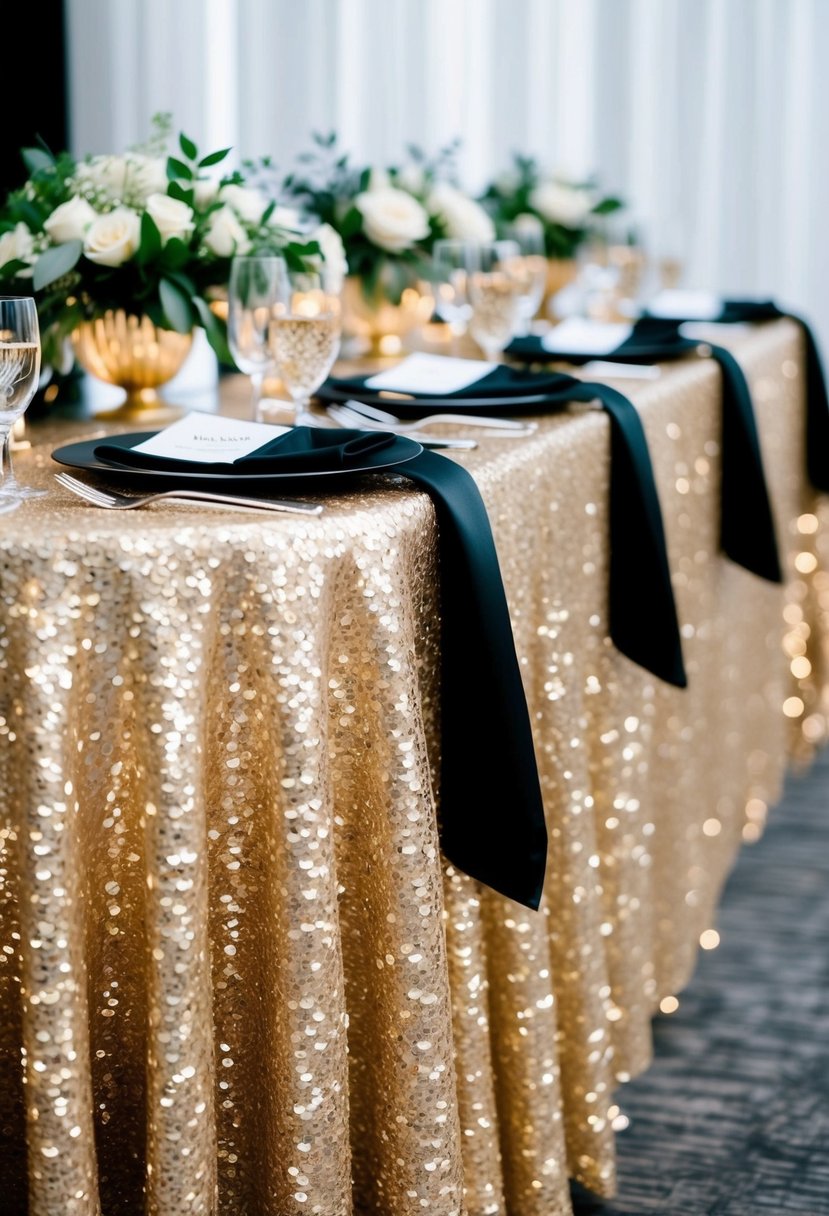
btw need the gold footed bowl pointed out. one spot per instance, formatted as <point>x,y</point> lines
<point>377,323</point>
<point>560,273</point>
<point>135,355</point>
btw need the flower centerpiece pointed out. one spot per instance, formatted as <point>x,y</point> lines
<point>121,254</point>
<point>569,211</point>
<point>388,220</point>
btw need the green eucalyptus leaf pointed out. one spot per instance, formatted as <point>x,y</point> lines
<point>177,168</point>
<point>55,262</point>
<point>176,190</point>
<point>607,206</point>
<point>36,158</point>
<point>174,254</point>
<point>213,159</point>
<point>150,244</point>
<point>188,147</point>
<point>176,305</point>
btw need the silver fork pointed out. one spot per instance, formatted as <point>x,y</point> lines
<point>346,417</point>
<point>111,500</point>
<point>508,425</point>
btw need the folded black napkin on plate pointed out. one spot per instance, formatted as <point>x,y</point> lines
<point>642,612</point>
<point>303,449</point>
<point>747,532</point>
<point>491,812</point>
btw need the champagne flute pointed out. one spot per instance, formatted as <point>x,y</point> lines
<point>19,374</point>
<point>494,293</point>
<point>304,334</point>
<point>531,268</point>
<point>451,263</point>
<point>252,293</point>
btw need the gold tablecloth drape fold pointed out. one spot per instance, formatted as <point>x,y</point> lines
<point>237,977</point>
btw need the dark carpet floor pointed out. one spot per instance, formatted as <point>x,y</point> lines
<point>732,1119</point>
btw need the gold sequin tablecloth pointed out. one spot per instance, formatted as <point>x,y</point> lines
<point>236,977</point>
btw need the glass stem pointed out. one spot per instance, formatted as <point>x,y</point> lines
<point>256,395</point>
<point>7,480</point>
<point>302,410</point>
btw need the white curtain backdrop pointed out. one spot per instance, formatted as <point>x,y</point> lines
<point>710,116</point>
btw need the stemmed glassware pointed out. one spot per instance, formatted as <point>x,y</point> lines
<point>452,262</point>
<point>304,334</point>
<point>252,293</point>
<point>528,233</point>
<point>495,287</point>
<point>19,374</point>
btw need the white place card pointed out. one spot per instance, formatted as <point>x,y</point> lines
<point>622,371</point>
<point>581,336</point>
<point>209,437</point>
<point>687,305</point>
<point>436,374</point>
<point>713,331</point>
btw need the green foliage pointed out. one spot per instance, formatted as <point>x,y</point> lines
<point>168,279</point>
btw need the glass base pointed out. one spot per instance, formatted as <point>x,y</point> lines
<point>18,493</point>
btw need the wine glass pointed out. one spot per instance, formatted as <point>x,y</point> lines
<point>19,374</point>
<point>494,293</point>
<point>531,268</point>
<point>451,262</point>
<point>252,293</point>
<point>304,334</point>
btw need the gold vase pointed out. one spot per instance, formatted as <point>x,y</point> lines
<point>135,355</point>
<point>378,323</point>
<point>560,273</point>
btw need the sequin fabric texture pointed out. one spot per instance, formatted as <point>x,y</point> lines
<point>236,976</point>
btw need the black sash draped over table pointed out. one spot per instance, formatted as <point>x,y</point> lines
<point>492,821</point>
<point>735,311</point>
<point>747,531</point>
<point>642,614</point>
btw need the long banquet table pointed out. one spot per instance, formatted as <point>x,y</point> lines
<point>236,976</point>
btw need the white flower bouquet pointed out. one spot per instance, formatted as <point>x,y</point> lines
<point>388,219</point>
<point>144,232</point>
<point>567,210</point>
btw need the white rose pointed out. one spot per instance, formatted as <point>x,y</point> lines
<point>412,178</point>
<point>172,217</point>
<point>463,218</point>
<point>334,263</point>
<point>561,204</point>
<point>247,202</point>
<point>146,175</point>
<point>285,217</point>
<point>113,238</point>
<point>204,192</point>
<point>18,244</point>
<point>392,219</point>
<point>70,220</point>
<point>225,235</point>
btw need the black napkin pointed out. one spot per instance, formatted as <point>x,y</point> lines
<point>642,612</point>
<point>747,532</point>
<point>492,816</point>
<point>303,449</point>
<point>817,399</point>
<point>491,811</point>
